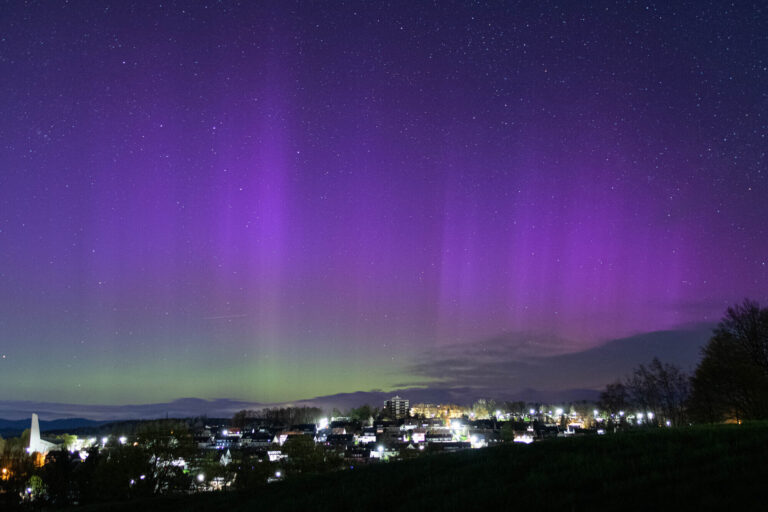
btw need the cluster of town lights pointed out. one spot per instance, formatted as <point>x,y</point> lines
<point>455,430</point>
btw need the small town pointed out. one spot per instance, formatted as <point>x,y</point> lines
<point>413,256</point>
<point>269,445</point>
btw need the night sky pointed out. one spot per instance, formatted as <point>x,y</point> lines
<point>278,200</point>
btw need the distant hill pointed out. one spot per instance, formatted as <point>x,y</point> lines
<point>12,428</point>
<point>181,408</point>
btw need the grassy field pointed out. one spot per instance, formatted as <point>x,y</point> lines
<point>710,468</point>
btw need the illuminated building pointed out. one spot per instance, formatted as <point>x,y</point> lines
<point>36,444</point>
<point>398,407</point>
<point>438,411</point>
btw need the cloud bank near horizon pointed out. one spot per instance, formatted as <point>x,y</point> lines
<point>507,367</point>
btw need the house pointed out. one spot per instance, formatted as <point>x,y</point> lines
<point>419,435</point>
<point>367,436</point>
<point>438,436</point>
<point>259,439</point>
<point>223,442</point>
<point>308,429</point>
<point>283,436</point>
<point>357,453</point>
<point>204,441</point>
<point>339,440</point>
<point>452,446</point>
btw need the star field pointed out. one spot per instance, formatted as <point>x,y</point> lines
<point>276,200</point>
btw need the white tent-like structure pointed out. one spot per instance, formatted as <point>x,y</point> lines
<point>35,443</point>
<point>226,459</point>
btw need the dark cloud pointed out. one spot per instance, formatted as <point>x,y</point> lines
<point>508,366</point>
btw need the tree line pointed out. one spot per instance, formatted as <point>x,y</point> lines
<point>730,382</point>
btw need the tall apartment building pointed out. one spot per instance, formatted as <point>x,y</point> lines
<point>398,407</point>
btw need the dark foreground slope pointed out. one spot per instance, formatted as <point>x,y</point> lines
<point>694,468</point>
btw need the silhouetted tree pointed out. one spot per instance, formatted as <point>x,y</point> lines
<point>117,473</point>
<point>508,431</point>
<point>304,456</point>
<point>67,441</point>
<point>731,381</point>
<point>660,388</point>
<point>614,398</point>
<point>239,419</point>
<point>36,488</point>
<point>252,473</point>
<point>57,475</point>
<point>363,413</point>
<point>19,468</point>
<point>481,408</point>
<point>290,415</point>
<point>166,443</point>
<point>516,408</point>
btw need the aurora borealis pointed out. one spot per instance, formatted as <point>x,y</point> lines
<point>279,200</point>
